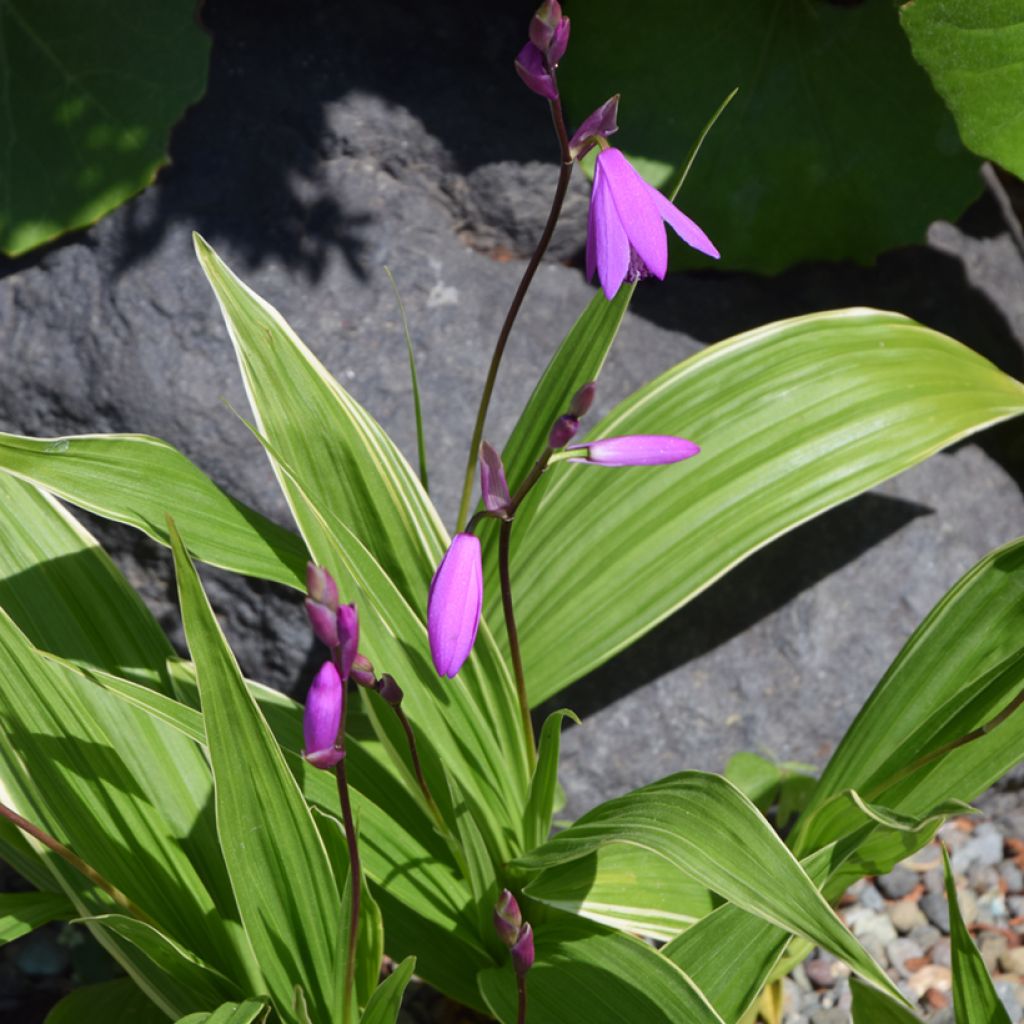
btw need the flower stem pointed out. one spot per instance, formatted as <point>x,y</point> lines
<point>356,880</point>
<point>76,862</point>
<point>513,637</point>
<point>417,767</point>
<point>565,172</point>
<point>521,988</point>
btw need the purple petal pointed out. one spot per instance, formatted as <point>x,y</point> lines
<point>348,637</point>
<point>611,246</point>
<point>634,199</point>
<point>535,75</point>
<point>453,607</point>
<point>560,42</point>
<point>685,228</point>
<point>522,952</point>
<point>636,450</point>
<point>602,122</point>
<point>322,718</point>
<point>493,484</point>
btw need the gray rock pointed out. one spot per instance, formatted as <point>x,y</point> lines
<point>897,883</point>
<point>941,953</point>
<point>984,849</point>
<point>1007,993</point>
<point>899,951</point>
<point>1012,876</point>
<point>925,936</point>
<point>830,1015</point>
<point>936,909</point>
<point>906,916</point>
<point>871,898</point>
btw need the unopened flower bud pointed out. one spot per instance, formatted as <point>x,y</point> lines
<point>635,450</point>
<point>508,919</point>
<point>549,30</point>
<point>322,718</point>
<point>324,622</point>
<point>389,690</point>
<point>362,672</point>
<point>320,586</point>
<point>534,72</point>
<point>348,639</point>
<point>583,400</point>
<point>522,951</point>
<point>563,431</point>
<point>493,484</point>
<point>454,603</point>
<point>600,124</point>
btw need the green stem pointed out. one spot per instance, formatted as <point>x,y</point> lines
<point>564,174</point>
<point>76,862</point>
<point>356,879</point>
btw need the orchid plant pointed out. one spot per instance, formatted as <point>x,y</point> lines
<point>249,859</point>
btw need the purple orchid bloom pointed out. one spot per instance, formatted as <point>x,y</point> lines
<point>635,450</point>
<point>625,230</point>
<point>322,718</point>
<point>454,603</point>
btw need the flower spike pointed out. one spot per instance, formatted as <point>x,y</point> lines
<point>635,450</point>
<point>454,603</point>
<point>493,484</point>
<point>625,231</point>
<point>322,718</point>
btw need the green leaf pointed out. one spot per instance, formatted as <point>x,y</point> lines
<point>757,778</point>
<point>842,172</point>
<point>540,802</point>
<point>873,1007</point>
<point>793,418</point>
<point>23,912</point>
<point>230,1013</point>
<point>89,100</point>
<point>974,996</point>
<point>625,887</point>
<point>972,52</point>
<point>140,480</point>
<point>112,1002</point>
<point>959,672</point>
<point>584,972</point>
<point>279,869</point>
<point>706,827</point>
<point>385,1003</point>
<point>479,866</point>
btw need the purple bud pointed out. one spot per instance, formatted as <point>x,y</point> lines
<point>600,124</point>
<point>348,639</point>
<point>321,587</point>
<point>532,70</point>
<point>549,31</point>
<point>559,42</point>
<point>390,691</point>
<point>322,718</point>
<point>362,672</point>
<point>508,918</point>
<point>583,400</point>
<point>492,480</point>
<point>635,450</point>
<point>563,431</point>
<point>522,951</point>
<point>324,622</point>
<point>453,605</point>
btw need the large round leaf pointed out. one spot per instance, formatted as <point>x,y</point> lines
<point>836,147</point>
<point>973,52</point>
<point>88,94</point>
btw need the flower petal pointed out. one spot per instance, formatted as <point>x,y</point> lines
<point>634,199</point>
<point>685,228</point>
<point>454,603</point>
<point>611,246</point>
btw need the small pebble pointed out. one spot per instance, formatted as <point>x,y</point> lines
<point>935,908</point>
<point>1008,997</point>
<point>1012,876</point>
<point>899,951</point>
<point>941,953</point>
<point>932,976</point>
<point>871,898</point>
<point>906,916</point>
<point>1011,960</point>
<point>925,935</point>
<point>992,946</point>
<point>898,882</point>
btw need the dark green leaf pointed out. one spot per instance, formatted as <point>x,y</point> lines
<point>541,800</point>
<point>23,912</point>
<point>110,1002</point>
<point>873,1007</point>
<point>385,1003</point>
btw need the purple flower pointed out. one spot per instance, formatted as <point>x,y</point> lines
<point>522,951</point>
<point>600,124</point>
<point>493,484</point>
<point>508,918</point>
<point>348,639</point>
<point>635,450</point>
<point>563,431</point>
<point>549,30</point>
<point>322,718</point>
<point>625,235</point>
<point>535,73</point>
<point>453,605</point>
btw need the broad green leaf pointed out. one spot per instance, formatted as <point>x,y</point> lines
<point>974,996</point>
<point>274,855</point>
<point>385,1003</point>
<point>625,887</point>
<point>757,778</point>
<point>181,977</point>
<point>110,1002</point>
<point>972,52</point>
<point>873,1007</point>
<point>707,828</point>
<point>231,1013</point>
<point>540,802</point>
<point>813,160</point>
<point>90,97</point>
<point>366,518</point>
<point>793,418</point>
<point>585,972</point>
<point>23,912</point>
<point>961,668</point>
<point>140,480</point>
